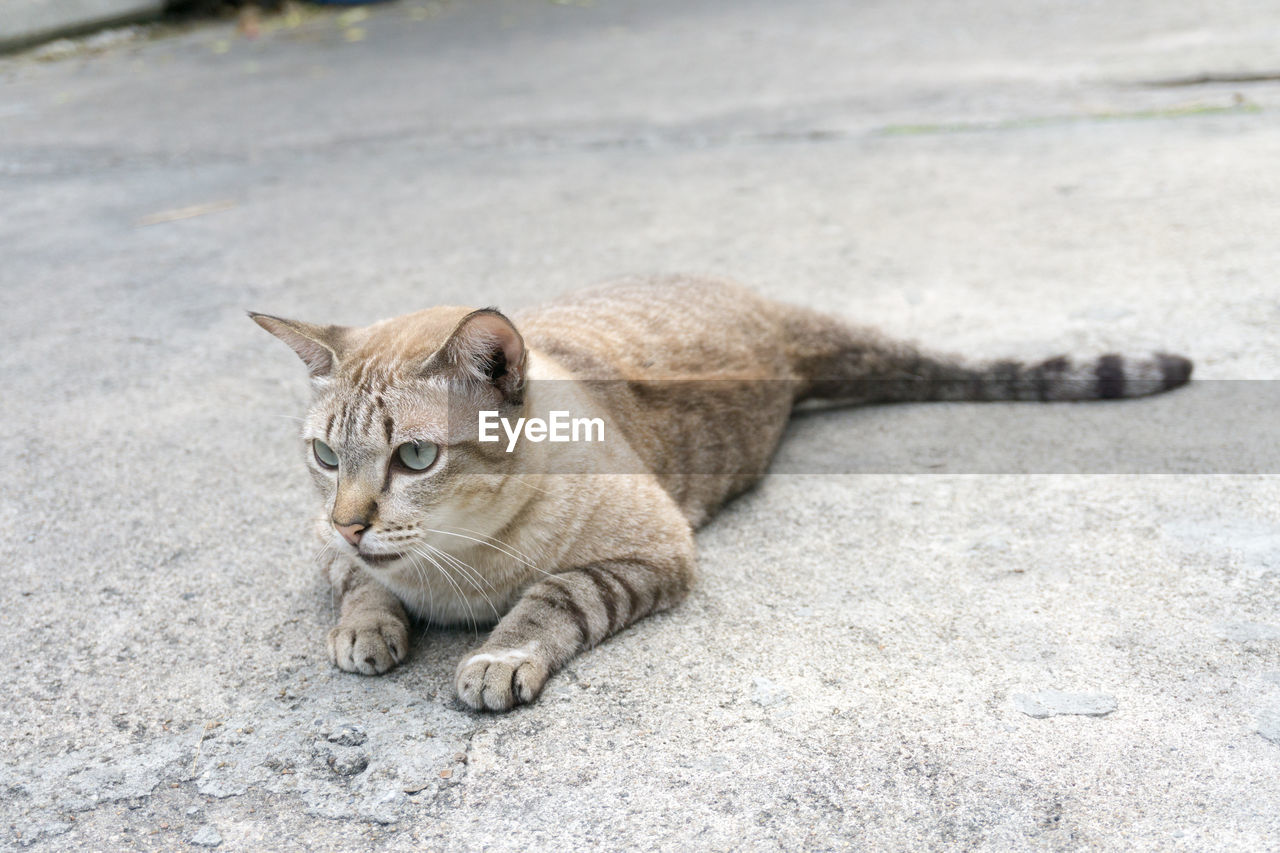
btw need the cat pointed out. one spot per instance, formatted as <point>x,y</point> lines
<point>562,544</point>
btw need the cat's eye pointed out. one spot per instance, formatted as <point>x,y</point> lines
<point>417,455</point>
<point>324,454</point>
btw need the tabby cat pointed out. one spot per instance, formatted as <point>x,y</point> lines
<point>564,543</point>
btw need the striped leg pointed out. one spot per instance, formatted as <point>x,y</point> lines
<point>372,634</point>
<point>560,616</point>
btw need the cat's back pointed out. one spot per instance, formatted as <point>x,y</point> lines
<point>694,371</point>
<point>660,327</point>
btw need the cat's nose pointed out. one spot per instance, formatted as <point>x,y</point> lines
<point>351,532</point>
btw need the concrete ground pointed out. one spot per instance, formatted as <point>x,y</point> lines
<point>870,661</point>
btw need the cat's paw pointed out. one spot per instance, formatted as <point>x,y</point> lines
<point>369,643</point>
<point>500,679</point>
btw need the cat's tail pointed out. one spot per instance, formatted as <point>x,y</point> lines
<point>837,361</point>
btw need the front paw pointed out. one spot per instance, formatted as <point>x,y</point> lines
<point>500,679</point>
<point>368,643</point>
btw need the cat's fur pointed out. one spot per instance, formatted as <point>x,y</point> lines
<point>695,379</point>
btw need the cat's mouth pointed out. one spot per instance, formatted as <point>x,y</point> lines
<point>378,559</point>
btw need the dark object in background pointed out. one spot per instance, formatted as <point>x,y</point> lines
<point>191,8</point>
<point>188,8</point>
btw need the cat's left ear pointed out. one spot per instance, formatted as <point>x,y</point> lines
<point>319,347</point>
<point>485,347</point>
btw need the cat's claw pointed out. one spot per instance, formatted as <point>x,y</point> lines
<point>368,644</point>
<point>498,681</point>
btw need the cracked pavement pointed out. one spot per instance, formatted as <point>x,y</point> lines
<point>856,666</point>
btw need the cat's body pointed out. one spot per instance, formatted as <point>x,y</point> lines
<point>564,544</point>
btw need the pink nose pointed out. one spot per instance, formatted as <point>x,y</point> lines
<point>350,532</point>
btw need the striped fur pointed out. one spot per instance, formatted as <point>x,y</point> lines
<point>854,364</point>
<point>696,380</point>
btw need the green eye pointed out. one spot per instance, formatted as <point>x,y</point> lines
<point>324,454</point>
<point>418,455</point>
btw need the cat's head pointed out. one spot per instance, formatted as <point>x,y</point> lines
<point>391,436</point>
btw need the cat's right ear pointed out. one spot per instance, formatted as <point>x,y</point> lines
<point>319,347</point>
<point>485,348</point>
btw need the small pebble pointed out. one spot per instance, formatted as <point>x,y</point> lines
<point>206,836</point>
<point>349,734</point>
<point>348,764</point>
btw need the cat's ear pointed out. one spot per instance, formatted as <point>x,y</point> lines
<point>485,347</point>
<point>319,347</point>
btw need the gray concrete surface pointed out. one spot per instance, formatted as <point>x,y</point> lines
<point>993,177</point>
<point>27,22</point>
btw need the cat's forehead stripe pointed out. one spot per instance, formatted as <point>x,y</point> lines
<point>359,419</point>
<point>358,375</point>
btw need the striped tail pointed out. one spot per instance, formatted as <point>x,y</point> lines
<point>836,361</point>
<point>1061,378</point>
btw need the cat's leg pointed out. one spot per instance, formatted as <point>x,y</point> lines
<point>372,634</point>
<point>562,615</point>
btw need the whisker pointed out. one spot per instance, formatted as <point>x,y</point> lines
<point>468,572</point>
<point>420,572</point>
<point>461,565</point>
<point>431,592</point>
<point>522,558</point>
<point>527,485</point>
<point>497,544</point>
<point>449,577</point>
<point>500,546</point>
<point>438,568</point>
